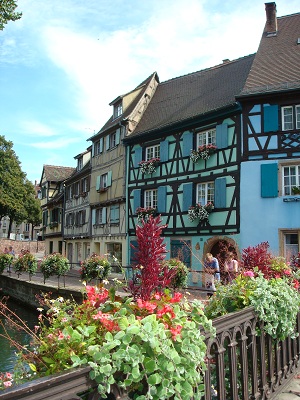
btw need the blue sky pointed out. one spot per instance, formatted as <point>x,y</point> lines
<point>66,60</point>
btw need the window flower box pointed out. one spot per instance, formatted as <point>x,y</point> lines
<point>204,152</point>
<point>200,212</point>
<point>144,213</point>
<point>296,190</point>
<point>53,225</point>
<point>148,167</point>
<point>102,190</point>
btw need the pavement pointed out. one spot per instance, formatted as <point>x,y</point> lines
<point>292,390</point>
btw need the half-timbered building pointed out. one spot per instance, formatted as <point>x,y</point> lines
<point>270,169</point>
<point>183,163</point>
<point>108,178</point>
<point>77,220</point>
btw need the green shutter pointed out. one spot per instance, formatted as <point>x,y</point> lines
<point>109,177</point>
<point>269,180</point>
<point>187,198</point>
<point>164,151</point>
<point>101,145</point>
<point>187,144</point>
<point>93,217</point>
<point>136,199</point>
<point>98,182</point>
<point>104,215</point>
<point>107,142</point>
<point>137,156</point>
<point>222,136</point>
<point>220,193</point>
<point>118,135</point>
<point>93,149</point>
<point>270,118</point>
<point>161,199</point>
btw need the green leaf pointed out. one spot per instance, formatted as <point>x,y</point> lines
<point>150,366</point>
<point>123,323</point>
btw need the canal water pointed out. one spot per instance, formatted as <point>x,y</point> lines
<point>8,353</point>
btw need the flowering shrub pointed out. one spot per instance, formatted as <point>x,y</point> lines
<point>199,212</point>
<point>153,347</point>
<point>148,167</point>
<point>275,301</point>
<point>26,262</point>
<point>144,213</point>
<point>5,261</point>
<point>179,280</point>
<point>95,267</point>
<point>54,264</point>
<point>204,152</point>
<point>6,380</point>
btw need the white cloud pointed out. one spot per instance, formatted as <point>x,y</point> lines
<point>60,143</point>
<point>36,128</point>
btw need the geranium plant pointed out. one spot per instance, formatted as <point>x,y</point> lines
<point>5,261</point>
<point>148,167</point>
<point>199,212</point>
<point>54,264</point>
<point>95,267</point>
<point>26,262</point>
<point>143,213</point>
<point>203,152</point>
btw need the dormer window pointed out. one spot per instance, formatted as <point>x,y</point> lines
<point>118,109</point>
<point>80,164</point>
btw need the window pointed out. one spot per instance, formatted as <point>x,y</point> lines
<point>290,178</point>
<point>150,198</point>
<point>69,192</point>
<point>84,185</point>
<point>152,152</point>
<point>112,140</point>
<point>115,214</point>
<point>290,117</point>
<point>80,163</point>
<point>103,181</point>
<point>54,215</point>
<point>205,193</point>
<point>27,227</point>
<point>118,109</point>
<point>97,147</point>
<point>69,219</point>
<point>289,243</point>
<point>114,251</point>
<point>76,189</point>
<point>206,137</point>
<point>100,216</point>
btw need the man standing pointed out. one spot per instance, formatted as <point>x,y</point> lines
<point>212,269</point>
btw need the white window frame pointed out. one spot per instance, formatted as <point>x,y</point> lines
<point>97,148</point>
<point>150,198</point>
<point>288,249</point>
<point>80,164</point>
<point>118,110</point>
<point>291,120</point>
<point>290,177</point>
<point>100,216</point>
<point>103,181</point>
<point>205,193</point>
<point>112,140</point>
<point>152,152</point>
<point>206,137</point>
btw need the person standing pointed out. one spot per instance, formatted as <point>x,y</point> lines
<point>212,269</point>
<point>12,253</point>
<point>231,267</point>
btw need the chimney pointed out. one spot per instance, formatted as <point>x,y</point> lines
<point>271,24</point>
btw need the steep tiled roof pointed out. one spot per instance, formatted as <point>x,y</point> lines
<point>276,66</point>
<point>115,121</point>
<point>57,174</point>
<point>195,94</point>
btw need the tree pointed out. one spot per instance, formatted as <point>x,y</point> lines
<point>8,12</point>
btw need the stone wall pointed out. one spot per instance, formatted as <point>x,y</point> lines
<point>18,245</point>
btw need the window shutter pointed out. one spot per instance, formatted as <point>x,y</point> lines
<point>270,118</point>
<point>136,199</point>
<point>161,199</point>
<point>222,136</point>
<point>59,215</point>
<point>88,181</point>
<point>269,180</point>
<point>83,216</point>
<point>137,156</point>
<point>104,215</point>
<point>220,193</point>
<point>187,144</point>
<point>101,145</point>
<point>93,149</point>
<point>51,216</point>
<point>98,182</point>
<point>107,142</point>
<point>164,151</point>
<point>109,175</point>
<point>187,197</point>
<point>93,216</point>
<point>118,136</point>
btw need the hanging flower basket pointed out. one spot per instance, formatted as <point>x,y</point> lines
<point>144,213</point>
<point>95,267</point>
<point>200,212</point>
<point>26,262</point>
<point>204,152</point>
<point>148,167</point>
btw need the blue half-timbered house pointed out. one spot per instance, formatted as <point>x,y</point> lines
<point>270,168</point>
<point>183,163</point>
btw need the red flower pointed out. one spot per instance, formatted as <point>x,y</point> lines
<point>176,331</point>
<point>146,305</point>
<point>166,310</point>
<point>176,298</point>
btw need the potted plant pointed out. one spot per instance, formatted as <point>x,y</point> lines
<point>199,212</point>
<point>148,167</point>
<point>143,213</point>
<point>26,262</point>
<point>295,190</point>
<point>54,264</point>
<point>95,267</point>
<point>204,152</point>
<point>179,279</point>
<point>5,261</point>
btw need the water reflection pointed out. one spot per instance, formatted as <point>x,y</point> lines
<point>7,353</point>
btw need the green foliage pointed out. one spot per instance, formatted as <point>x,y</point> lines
<point>5,261</point>
<point>95,267</point>
<point>275,301</point>
<point>179,280</point>
<point>153,348</point>
<point>26,262</point>
<point>54,264</point>
<point>8,12</point>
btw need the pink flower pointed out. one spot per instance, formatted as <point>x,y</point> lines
<point>176,331</point>
<point>60,336</point>
<point>50,336</point>
<point>287,272</point>
<point>8,375</point>
<point>146,305</point>
<point>249,273</point>
<point>7,383</point>
<point>176,298</point>
<point>166,309</point>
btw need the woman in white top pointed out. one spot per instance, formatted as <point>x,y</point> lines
<point>231,267</point>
